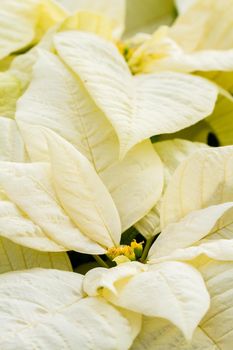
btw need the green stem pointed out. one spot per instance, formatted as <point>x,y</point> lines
<point>100,261</point>
<point>146,249</point>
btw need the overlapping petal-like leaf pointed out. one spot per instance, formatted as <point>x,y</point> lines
<point>54,313</point>
<point>56,99</point>
<point>10,91</point>
<point>171,290</point>
<point>195,173</point>
<point>159,52</point>
<point>171,153</point>
<point>146,105</point>
<point>11,142</point>
<point>30,187</point>
<point>14,257</point>
<point>22,22</point>
<point>113,9</point>
<point>82,193</point>
<point>204,26</point>
<point>213,332</point>
<point>201,39</point>
<point>196,203</point>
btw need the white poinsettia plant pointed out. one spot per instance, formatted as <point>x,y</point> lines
<point>116,174</point>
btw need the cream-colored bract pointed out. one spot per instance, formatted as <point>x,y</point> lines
<point>82,193</point>
<point>206,25</point>
<point>196,172</point>
<point>48,308</point>
<point>213,332</point>
<point>47,197</point>
<point>10,91</point>
<point>201,39</point>
<point>14,257</point>
<point>22,65</point>
<point>172,290</point>
<point>193,227</point>
<point>11,142</point>
<point>57,99</point>
<point>146,105</point>
<point>219,249</point>
<point>22,22</point>
<point>172,153</point>
<point>113,9</point>
<point>196,203</point>
<point>163,53</point>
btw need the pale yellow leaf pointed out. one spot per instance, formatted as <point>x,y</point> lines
<point>10,91</point>
<point>113,9</point>
<point>47,309</point>
<point>204,26</point>
<point>45,225</point>
<point>171,153</point>
<point>11,142</point>
<point>146,105</point>
<point>214,331</point>
<point>56,99</point>
<point>23,22</point>
<point>194,187</point>
<point>14,257</point>
<point>171,290</point>
<point>82,193</point>
<point>193,227</point>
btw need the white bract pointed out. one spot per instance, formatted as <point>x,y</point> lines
<point>113,9</point>
<point>48,308</point>
<point>201,39</point>
<point>57,99</point>
<point>215,329</point>
<point>137,107</point>
<point>78,169</point>
<point>45,194</point>
<point>22,23</point>
<point>14,257</point>
<point>171,153</point>
<point>172,290</point>
<point>188,217</point>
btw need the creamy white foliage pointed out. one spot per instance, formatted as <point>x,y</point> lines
<point>11,142</point>
<point>42,224</point>
<point>146,105</point>
<point>214,331</point>
<point>10,90</point>
<point>159,52</point>
<point>172,153</point>
<point>24,21</point>
<point>196,203</point>
<point>56,99</point>
<point>194,187</point>
<point>172,290</point>
<point>18,21</point>
<point>221,249</point>
<point>82,193</point>
<point>47,309</point>
<point>114,9</point>
<point>201,39</point>
<point>207,25</point>
<point>193,227</point>
<point>14,257</point>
